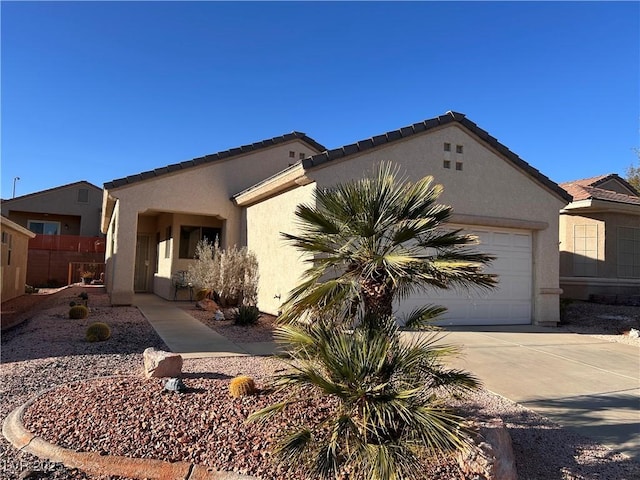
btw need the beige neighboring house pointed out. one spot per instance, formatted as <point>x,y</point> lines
<point>72,209</point>
<point>66,221</point>
<point>248,196</point>
<point>600,239</point>
<point>13,264</point>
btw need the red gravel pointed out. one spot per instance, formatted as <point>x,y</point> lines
<point>205,424</point>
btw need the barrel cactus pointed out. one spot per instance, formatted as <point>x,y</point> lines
<point>98,332</point>
<point>77,312</point>
<point>242,386</point>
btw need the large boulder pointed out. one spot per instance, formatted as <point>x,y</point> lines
<point>492,456</point>
<point>159,364</point>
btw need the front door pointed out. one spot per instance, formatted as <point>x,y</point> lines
<point>141,274</point>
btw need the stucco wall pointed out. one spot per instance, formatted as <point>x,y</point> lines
<point>13,273</point>
<point>606,279</point>
<point>203,190</point>
<point>280,265</point>
<point>62,201</point>
<point>486,186</point>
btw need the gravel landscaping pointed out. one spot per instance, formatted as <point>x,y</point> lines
<point>124,414</point>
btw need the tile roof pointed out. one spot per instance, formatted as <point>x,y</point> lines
<point>68,185</point>
<point>416,128</point>
<point>587,188</point>
<point>215,157</point>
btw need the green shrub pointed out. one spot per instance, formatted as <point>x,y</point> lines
<point>241,386</point>
<point>98,332</point>
<point>246,315</point>
<point>78,312</point>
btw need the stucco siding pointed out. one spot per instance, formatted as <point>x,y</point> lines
<point>13,262</point>
<point>60,202</point>
<point>203,191</point>
<point>280,265</point>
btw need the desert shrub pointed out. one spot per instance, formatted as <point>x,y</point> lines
<point>78,312</point>
<point>231,274</point>
<point>98,332</point>
<point>241,386</point>
<point>390,400</point>
<point>247,315</point>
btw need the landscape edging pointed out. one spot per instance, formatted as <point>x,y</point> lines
<point>15,432</point>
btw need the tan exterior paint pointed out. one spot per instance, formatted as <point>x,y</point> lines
<point>200,194</point>
<point>605,280</point>
<point>487,186</point>
<point>13,264</point>
<point>59,205</point>
<point>280,266</point>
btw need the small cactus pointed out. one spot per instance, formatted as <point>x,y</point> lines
<point>78,312</point>
<point>98,332</point>
<point>241,386</point>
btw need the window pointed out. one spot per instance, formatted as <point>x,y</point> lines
<point>628,252</point>
<point>292,154</point>
<point>459,149</point>
<point>585,250</point>
<point>83,195</point>
<point>458,165</point>
<point>447,147</point>
<point>7,239</point>
<point>167,242</point>
<point>446,164</point>
<point>301,156</point>
<point>190,236</point>
<point>44,228</point>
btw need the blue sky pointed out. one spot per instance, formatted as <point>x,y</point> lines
<point>98,91</point>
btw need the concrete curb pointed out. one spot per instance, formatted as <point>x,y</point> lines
<point>15,432</point>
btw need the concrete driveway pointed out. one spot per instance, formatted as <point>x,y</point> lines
<point>579,381</point>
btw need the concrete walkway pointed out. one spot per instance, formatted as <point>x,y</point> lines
<point>579,381</point>
<point>189,337</point>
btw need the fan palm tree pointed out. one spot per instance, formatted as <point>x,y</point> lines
<point>376,240</point>
<point>387,416</point>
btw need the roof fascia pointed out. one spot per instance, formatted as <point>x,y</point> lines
<point>292,177</point>
<point>595,205</point>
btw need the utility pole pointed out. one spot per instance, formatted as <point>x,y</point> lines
<point>14,186</point>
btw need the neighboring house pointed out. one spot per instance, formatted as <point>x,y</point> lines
<point>600,239</point>
<point>154,219</point>
<point>66,220</point>
<point>13,263</point>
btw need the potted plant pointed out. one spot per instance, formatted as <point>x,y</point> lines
<point>86,277</point>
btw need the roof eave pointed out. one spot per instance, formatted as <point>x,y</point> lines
<point>292,177</point>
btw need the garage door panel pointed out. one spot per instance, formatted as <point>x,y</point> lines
<point>508,303</point>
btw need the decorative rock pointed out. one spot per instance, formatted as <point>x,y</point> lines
<point>492,457</point>
<point>175,385</point>
<point>158,363</point>
<point>219,316</point>
<point>207,305</point>
<point>634,333</point>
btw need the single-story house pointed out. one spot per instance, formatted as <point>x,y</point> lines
<point>13,262</point>
<point>600,239</point>
<point>247,196</point>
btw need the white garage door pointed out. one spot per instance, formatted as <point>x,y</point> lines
<point>507,304</point>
